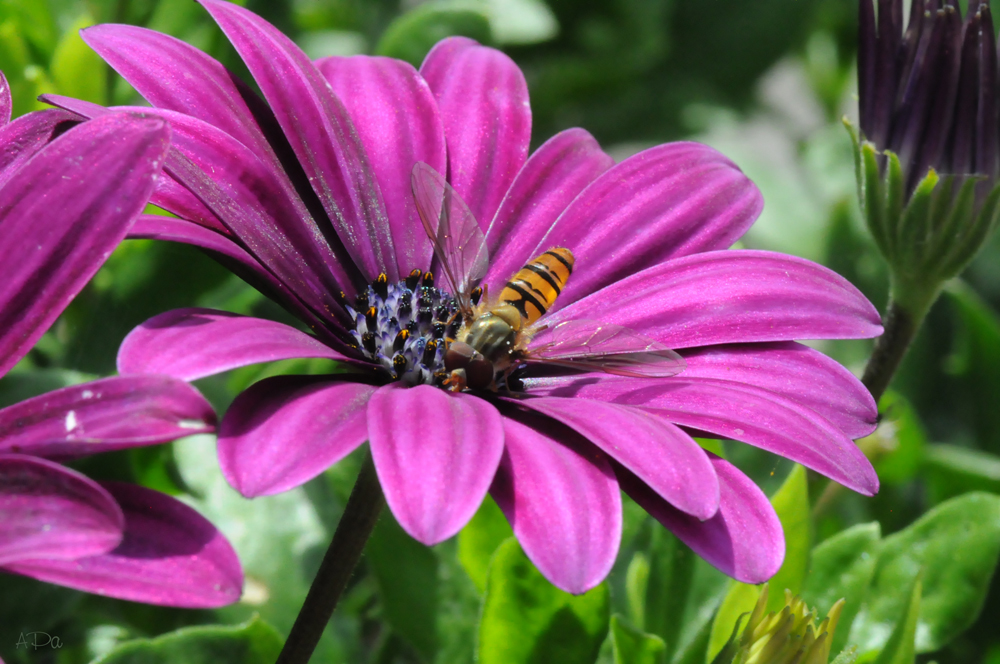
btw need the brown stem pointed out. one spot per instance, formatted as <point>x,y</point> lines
<point>360,515</point>
<point>901,325</point>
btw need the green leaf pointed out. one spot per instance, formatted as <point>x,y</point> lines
<point>670,587</point>
<point>526,619</point>
<point>636,586</point>
<point>791,502</point>
<point>899,649</point>
<point>954,470</point>
<point>740,600</point>
<point>411,36</point>
<point>842,567</point>
<point>633,646</point>
<point>76,69</point>
<point>487,530</point>
<point>406,572</point>
<point>955,546</point>
<point>253,642</point>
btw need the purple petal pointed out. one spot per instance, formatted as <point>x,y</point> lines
<point>436,453</point>
<point>484,106</point>
<point>104,415</point>
<point>744,539</point>
<point>6,103</point>
<point>285,430</point>
<point>63,213</point>
<point>562,499</point>
<point>175,76</point>
<point>246,194</point>
<point>666,202</point>
<point>177,199</point>
<point>172,229</point>
<point>194,343</point>
<point>731,410</point>
<point>170,556</point>
<point>47,511</point>
<point>666,458</point>
<point>320,132</point>
<point>794,372</point>
<point>550,180</point>
<point>23,138</point>
<point>168,193</point>
<point>398,122</point>
<point>723,297</point>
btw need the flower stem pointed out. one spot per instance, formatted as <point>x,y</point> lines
<point>902,320</point>
<point>356,524</point>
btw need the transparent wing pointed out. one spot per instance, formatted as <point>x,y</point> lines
<point>459,242</point>
<point>592,345</point>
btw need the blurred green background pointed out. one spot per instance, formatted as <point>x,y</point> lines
<point>767,82</point>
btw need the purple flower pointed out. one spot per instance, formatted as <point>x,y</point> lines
<point>68,194</point>
<point>309,197</point>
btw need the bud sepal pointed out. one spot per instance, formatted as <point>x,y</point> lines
<point>929,236</point>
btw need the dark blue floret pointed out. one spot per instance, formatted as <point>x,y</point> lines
<point>402,341</point>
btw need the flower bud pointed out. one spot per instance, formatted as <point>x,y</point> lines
<point>788,636</point>
<point>927,155</point>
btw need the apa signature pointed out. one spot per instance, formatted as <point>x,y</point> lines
<point>36,640</point>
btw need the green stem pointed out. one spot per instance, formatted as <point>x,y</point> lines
<point>360,515</point>
<point>903,317</point>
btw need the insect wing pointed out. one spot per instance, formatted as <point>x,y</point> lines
<point>592,345</point>
<point>459,242</point>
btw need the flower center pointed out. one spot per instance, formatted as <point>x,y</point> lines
<point>403,326</point>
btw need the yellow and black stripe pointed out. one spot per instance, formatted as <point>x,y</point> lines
<point>537,285</point>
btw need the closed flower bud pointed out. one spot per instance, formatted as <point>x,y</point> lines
<point>788,636</point>
<point>927,154</point>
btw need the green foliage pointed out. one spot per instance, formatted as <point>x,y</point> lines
<point>253,642</point>
<point>976,360</point>
<point>413,34</point>
<point>633,646</point>
<point>527,620</point>
<point>898,446</point>
<point>955,548</point>
<point>487,530</point>
<point>76,70</point>
<point>900,648</point>
<point>406,573</point>
<point>953,470</point>
<point>842,568</point>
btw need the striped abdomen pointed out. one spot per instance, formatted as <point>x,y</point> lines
<point>537,285</point>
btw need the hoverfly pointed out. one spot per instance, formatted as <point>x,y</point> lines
<point>493,337</point>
